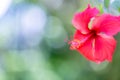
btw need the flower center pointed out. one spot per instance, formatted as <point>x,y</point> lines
<point>94,33</point>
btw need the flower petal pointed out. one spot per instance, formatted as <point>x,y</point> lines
<point>81,19</point>
<point>87,50</point>
<point>79,35</point>
<point>78,40</point>
<point>104,47</point>
<point>107,24</point>
<point>98,49</point>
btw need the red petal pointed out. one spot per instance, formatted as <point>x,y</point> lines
<point>104,47</point>
<point>81,19</point>
<point>98,49</point>
<point>79,35</point>
<point>78,40</point>
<point>107,24</point>
<point>87,50</point>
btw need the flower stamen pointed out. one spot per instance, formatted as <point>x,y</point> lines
<point>75,44</point>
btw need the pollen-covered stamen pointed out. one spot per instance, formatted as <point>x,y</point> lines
<point>75,44</point>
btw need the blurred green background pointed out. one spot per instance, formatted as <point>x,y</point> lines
<point>34,38</point>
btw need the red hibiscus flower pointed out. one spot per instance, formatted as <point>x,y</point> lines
<point>94,34</point>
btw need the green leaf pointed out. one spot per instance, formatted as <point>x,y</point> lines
<point>101,8</point>
<point>106,3</point>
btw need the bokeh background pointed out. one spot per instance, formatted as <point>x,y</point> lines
<point>34,37</point>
